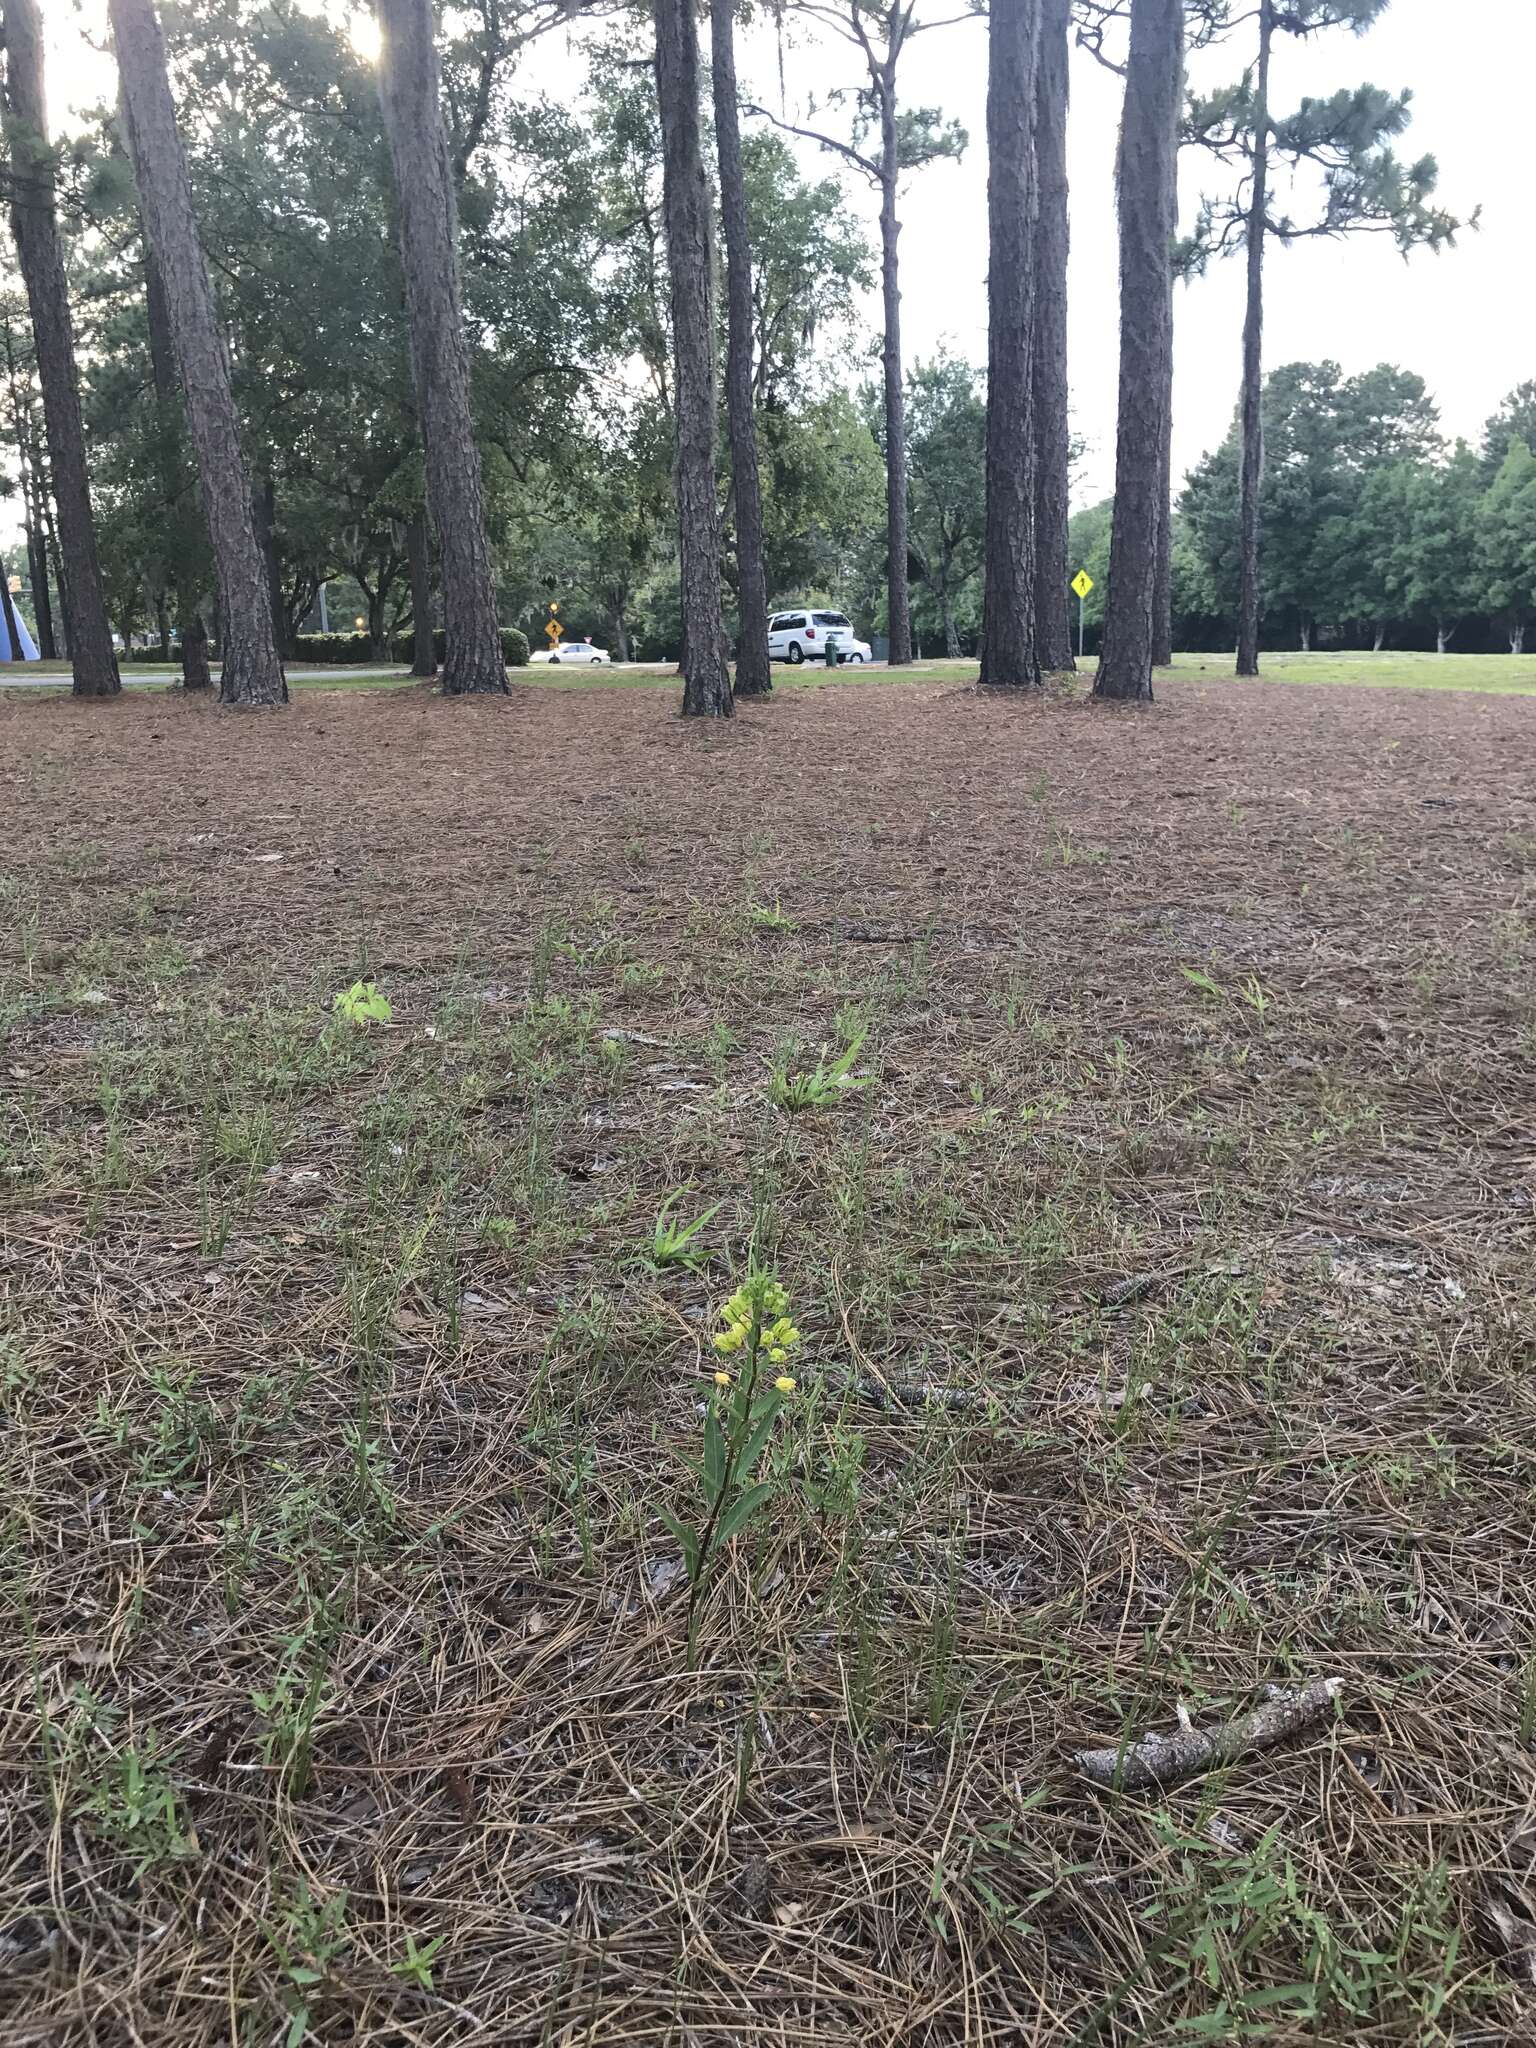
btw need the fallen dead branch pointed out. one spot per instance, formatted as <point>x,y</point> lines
<point>1159,1759</point>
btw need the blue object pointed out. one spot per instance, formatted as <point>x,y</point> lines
<point>16,643</point>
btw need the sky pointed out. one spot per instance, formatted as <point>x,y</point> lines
<point>1461,318</point>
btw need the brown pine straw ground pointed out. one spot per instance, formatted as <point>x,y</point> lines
<point>343,1686</point>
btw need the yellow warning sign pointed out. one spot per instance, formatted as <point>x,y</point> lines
<point>1082,583</point>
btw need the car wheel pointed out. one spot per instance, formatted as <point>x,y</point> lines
<point>595,661</point>
<point>854,660</point>
<point>796,653</point>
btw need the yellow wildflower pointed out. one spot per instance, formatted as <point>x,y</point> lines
<point>778,1354</point>
<point>784,1383</point>
<point>722,1379</point>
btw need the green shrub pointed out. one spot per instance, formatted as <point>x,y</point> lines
<point>325,650</point>
<point>514,646</point>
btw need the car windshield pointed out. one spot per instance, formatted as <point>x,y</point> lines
<point>829,619</point>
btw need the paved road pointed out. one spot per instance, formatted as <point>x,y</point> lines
<point>14,676</point>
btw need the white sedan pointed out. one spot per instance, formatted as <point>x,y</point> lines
<point>574,650</point>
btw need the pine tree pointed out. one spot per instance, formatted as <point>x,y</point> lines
<point>1051,425</point>
<point>1146,197</point>
<point>252,674</point>
<point>753,675</point>
<point>882,31</point>
<point>34,222</point>
<point>1008,655</point>
<point>706,677</point>
<point>1366,190</point>
<point>410,94</point>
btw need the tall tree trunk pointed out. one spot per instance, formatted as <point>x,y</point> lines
<point>1306,636</point>
<point>1517,636</point>
<point>264,517</point>
<point>753,675</point>
<point>34,222</point>
<point>1379,640</point>
<point>1009,658</point>
<point>410,94</point>
<point>252,674</point>
<point>175,484</point>
<point>378,639</point>
<point>418,548</point>
<point>163,621</point>
<point>706,677</point>
<point>951,630</point>
<point>1052,428</point>
<point>1162,594</point>
<point>51,545</point>
<point>898,595</point>
<point>1162,589</point>
<point>195,674</point>
<point>1149,131</point>
<point>1249,536</point>
<point>42,602</point>
<point>619,632</point>
<point>1444,634</point>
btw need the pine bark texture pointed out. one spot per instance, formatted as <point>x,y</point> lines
<point>898,593</point>
<point>42,602</point>
<point>175,483</point>
<point>1052,426</point>
<point>195,673</point>
<point>1008,653</point>
<point>34,222</point>
<point>685,194</point>
<point>418,548</point>
<point>264,513</point>
<point>753,676</point>
<point>251,672</point>
<point>1162,589</point>
<point>410,94</point>
<point>1145,182</point>
<point>1249,536</point>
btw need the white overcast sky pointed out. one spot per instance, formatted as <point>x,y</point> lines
<point>1463,319</point>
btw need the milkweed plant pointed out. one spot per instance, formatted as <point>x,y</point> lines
<point>754,1348</point>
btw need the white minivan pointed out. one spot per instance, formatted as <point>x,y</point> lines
<point>802,636</point>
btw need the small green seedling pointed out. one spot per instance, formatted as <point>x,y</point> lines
<point>362,1005</point>
<point>416,1964</point>
<point>674,1244</point>
<point>824,1084</point>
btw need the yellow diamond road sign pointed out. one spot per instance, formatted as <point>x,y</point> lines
<point>1082,583</point>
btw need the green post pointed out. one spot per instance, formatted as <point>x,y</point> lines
<point>832,656</point>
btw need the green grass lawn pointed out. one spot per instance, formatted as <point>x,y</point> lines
<point>1491,674</point>
<point>1487,674</point>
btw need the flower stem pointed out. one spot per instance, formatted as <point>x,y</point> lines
<point>740,1430</point>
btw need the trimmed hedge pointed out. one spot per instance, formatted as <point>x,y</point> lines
<point>514,646</point>
<point>330,649</point>
<point>342,650</point>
